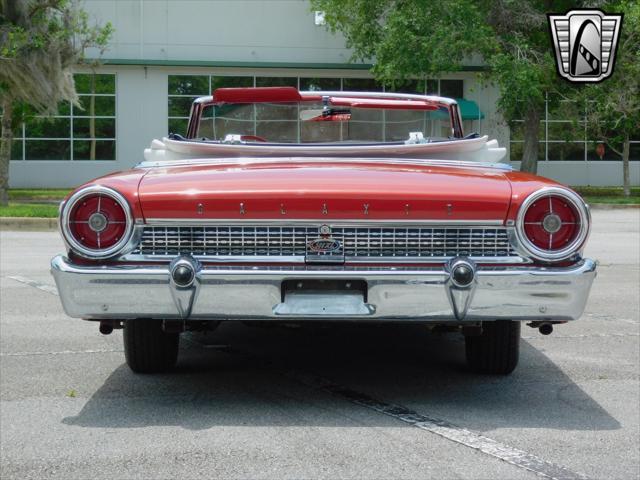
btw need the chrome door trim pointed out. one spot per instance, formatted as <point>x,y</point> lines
<point>187,222</point>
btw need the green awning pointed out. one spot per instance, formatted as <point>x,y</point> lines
<point>469,109</point>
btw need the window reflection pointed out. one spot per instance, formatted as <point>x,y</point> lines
<point>86,131</point>
<point>564,135</point>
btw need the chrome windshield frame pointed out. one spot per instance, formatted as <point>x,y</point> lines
<point>199,104</point>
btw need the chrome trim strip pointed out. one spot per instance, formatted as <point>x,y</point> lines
<point>343,93</point>
<point>62,263</point>
<point>136,257</point>
<point>206,99</point>
<point>401,260</point>
<point>187,222</point>
<point>406,96</point>
<point>265,160</point>
<point>299,259</point>
<point>393,293</point>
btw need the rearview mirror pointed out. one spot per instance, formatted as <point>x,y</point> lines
<point>326,115</point>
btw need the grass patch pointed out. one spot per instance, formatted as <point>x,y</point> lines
<point>613,200</point>
<point>606,191</point>
<point>42,210</point>
<point>17,194</point>
<point>610,195</point>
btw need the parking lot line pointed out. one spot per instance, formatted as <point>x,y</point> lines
<point>462,436</point>
<point>437,426</point>
<point>586,335</point>
<point>62,352</point>
<point>33,283</point>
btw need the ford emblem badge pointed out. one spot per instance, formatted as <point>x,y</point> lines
<point>324,245</point>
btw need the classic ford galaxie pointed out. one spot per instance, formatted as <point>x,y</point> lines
<point>280,205</point>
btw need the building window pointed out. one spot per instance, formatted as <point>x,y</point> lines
<point>433,87</point>
<point>361,85</point>
<point>84,132</point>
<point>315,84</point>
<point>452,88</point>
<point>564,134</point>
<point>277,82</point>
<point>183,90</point>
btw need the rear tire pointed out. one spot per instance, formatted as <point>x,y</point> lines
<point>147,348</point>
<point>497,350</point>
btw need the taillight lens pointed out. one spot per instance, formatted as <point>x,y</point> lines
<point>96,222</point>
<point>553,224</point>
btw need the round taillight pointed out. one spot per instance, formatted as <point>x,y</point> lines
<point>553,224</point>
<point>96,222</point>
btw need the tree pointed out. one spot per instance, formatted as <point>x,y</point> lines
<point>40,43</point>
<point>415,38</point>
<point>613,106</point>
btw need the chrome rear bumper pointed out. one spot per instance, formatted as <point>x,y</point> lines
<point>393,293</point>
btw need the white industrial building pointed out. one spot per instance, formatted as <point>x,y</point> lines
<point>166,52</point>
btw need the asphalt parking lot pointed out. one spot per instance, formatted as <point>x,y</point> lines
<point>342,402</point>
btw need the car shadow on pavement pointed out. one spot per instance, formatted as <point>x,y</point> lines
<point>251,376</point>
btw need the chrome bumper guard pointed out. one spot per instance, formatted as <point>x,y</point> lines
<point>392,293</point>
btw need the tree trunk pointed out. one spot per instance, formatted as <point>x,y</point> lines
<point>626,181</point>
<point>530,146</point>
<point>5,149</point>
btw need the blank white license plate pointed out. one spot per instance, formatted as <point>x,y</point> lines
<point>323,303</point>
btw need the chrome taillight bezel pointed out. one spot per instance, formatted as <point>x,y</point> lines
<point>73,244</point>
<point>570,250</point>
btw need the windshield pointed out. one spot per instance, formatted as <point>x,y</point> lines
<point>311,122</point>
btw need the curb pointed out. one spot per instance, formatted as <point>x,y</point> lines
<point>28,223</point>
<point>613,206</point>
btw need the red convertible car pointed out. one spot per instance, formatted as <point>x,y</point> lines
<point>280,205</point>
